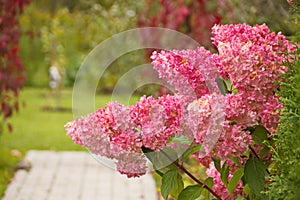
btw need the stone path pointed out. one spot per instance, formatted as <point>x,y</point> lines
<point>75,176</point>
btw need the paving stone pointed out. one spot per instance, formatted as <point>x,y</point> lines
<point>75,176</point>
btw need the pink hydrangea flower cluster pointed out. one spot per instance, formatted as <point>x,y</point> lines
<point>157,120</point>
<point>119,132</point>
<point>191,72</point>
<point>90,132</point>
<point>233,140</point>
<point>252,57</point>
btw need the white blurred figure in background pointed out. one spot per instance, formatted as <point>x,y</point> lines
<point>55,79</point>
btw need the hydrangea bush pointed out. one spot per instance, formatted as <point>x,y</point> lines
<point>223,113</point>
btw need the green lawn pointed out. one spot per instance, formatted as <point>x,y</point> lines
<point>37,128</point>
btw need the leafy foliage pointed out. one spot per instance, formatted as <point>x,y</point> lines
<point>255,172</point>
<point>191,192</point>
<point>12,72</point>
<point>237,176</point>
<point>66,31</point>
<point>285,183</point>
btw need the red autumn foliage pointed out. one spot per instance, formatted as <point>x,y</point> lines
<point>195,18</point>
<point>12,72</point>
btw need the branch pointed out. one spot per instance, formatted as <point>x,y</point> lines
<point>182,168</point>
<point>257,156</point>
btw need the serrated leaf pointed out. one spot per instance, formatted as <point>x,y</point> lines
<point>238,174</point>
<point>259,134</point>
<point>180,139</point>
<point>191,192</point>
<point>190,151</point>
<point>254,173</point>
<point>169,182</point>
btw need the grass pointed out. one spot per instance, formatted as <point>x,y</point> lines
<point>34,127</point>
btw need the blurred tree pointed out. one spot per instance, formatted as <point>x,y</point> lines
<point>275,13</point>
<point>12,73</point>
<point>69,32</point>
<point>195,18</point>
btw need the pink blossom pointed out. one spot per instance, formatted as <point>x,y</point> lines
<point>191,72</point>
<point>252,58</point>
<point>96,131</point>
<point>121,128</point>
<point>232,143</point>
<point>157,120</point>
<point>199,117</point>
<point>219,186</point>
<point>232,140</point>
<point>71,130</point>
<point>239,111</point>
<point>132,164</point>
<point>119,132</point>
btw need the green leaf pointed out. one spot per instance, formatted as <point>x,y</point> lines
<point>150,154</point>
<point>159,160</point>
<point>239,198</point>
<point>238,174</point>
<point>209,182</point>
<point>224,173</point>
<point>235,160</point>
<point>253,196</point>
<point>255,172</point>
<point>235,91</point>
<point>264,151</point>
<point>232,122</point>
<point>171,152</point>
<point>190,151</point>
<point>179,187</point>
<point>228,84</point>
<point>247,189</point>
<point>191,192</point>
<point>259,134</point>
<point>222,85</point>
<point>217,164</point>
<point>180,139</point>
<point>169,183</point>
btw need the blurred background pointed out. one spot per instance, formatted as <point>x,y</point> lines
<point>65,31</point>
<point>40,34</point>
